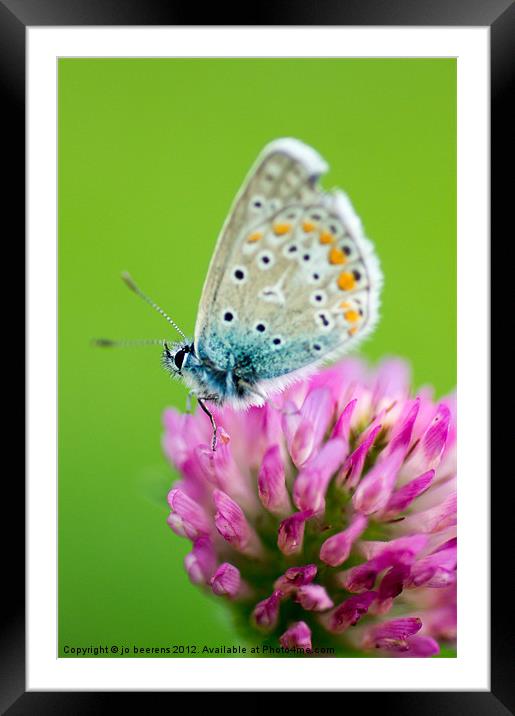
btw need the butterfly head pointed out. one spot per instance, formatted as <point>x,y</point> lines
<point>176,355</point>
<point>182,362</point>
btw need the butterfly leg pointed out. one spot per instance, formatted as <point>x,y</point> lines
<point>211,418</point>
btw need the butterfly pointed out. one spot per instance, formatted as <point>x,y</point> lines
<point>292,284</point>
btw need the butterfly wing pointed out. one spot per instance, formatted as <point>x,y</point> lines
<point>293,282</point>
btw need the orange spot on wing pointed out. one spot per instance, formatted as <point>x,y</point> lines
<point>352,330</point>
<point>337,256</point>
<point>346,281</point>
<point>326,237</point>
<point>351,316</point>
<point>256,236</point>
<point>308,226</point>
<point>282,229</point>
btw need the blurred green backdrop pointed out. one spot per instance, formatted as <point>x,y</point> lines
<point>151,154</point>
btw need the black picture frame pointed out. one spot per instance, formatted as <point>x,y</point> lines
<point>15,17</point>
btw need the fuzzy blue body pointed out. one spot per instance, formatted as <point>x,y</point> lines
<point>231,364</point>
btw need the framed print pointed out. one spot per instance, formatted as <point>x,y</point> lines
<point>283,515</point>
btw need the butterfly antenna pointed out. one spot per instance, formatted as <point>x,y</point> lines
<point>108,343</point>
<point>133,287</point>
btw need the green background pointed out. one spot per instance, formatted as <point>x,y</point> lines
<point>151,154</point>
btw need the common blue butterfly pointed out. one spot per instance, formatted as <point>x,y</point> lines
<point>292,284</point>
